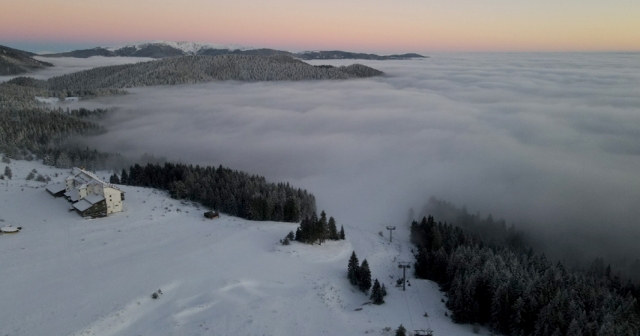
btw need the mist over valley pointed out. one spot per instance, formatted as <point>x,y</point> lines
<point>549,142</point>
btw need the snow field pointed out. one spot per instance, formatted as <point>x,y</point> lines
<point>65,275</point>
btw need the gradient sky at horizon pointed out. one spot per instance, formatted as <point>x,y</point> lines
<point>357,25</point>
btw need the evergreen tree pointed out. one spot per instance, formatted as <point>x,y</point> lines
<point>333,230</point>
<point>364,276</point>
<point>114,179</point>
<point>574,329</point>
<point>401,331</point>
<point>313,231</point>
<point>383,290</point>
<point>305,231</point>
<point>353,269</point>
<point>299,237</point>
<point>291,210</point>
<point>341,232</point>
<point>124,177</point>
<point>7,172</point>
<point>376,293</point>
<point>322,229</point>
<point>290,236</point>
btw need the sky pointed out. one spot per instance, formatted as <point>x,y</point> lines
<point>357,25</point>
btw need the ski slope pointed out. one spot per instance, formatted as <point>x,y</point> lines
<point>65,275</point>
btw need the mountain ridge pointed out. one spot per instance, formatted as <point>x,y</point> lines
<point>196,69</point>
<point>163,49</point>
<point>15,62</point>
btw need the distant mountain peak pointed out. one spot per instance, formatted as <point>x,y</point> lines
<point>188,48</point>
<point>162,49</point>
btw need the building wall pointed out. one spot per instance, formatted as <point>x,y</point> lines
<point>82,192</point>
<point>97,210</point>
<point>69,184</point>
<point>114,200</point>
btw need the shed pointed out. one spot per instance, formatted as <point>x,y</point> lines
<point>211,214</point>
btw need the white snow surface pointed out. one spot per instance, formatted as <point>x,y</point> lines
<point>229,276</point>
<point>189,48</point>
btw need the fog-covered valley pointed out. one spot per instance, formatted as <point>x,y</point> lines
<point>547,141</point>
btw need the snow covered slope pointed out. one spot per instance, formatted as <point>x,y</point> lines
<point>65,275</point>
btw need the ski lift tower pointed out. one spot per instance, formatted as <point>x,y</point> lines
<point>404,265</point>
<point>391,228</point>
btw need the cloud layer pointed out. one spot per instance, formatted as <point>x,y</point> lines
<point>545,140</point>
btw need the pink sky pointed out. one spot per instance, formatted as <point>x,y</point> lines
<point>357,25</point>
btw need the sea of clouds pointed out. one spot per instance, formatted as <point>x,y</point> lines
<point>547,141</point>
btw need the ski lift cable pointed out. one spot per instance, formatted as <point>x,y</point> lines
<point>423,309</point>
<point>409,310</point>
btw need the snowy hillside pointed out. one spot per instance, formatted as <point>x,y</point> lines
<point>65,275</point>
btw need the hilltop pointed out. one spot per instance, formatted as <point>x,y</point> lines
<point>14,62</point>
<point>226,276</point>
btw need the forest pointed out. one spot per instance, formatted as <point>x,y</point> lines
<point>230,191</point>
<point>515,291</point>
<point>195,69</point>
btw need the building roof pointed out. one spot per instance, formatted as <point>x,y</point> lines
<point>56,188</point>
<point>82,176</point>
<point>82,205</point>
<point>93,198</point>
<point>73,195</point>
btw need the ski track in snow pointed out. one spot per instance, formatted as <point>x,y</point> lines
<point>73,276</point>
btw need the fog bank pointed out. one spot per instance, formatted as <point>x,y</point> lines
<point>546,140</point>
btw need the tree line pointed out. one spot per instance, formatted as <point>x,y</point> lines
<point>317,230</point>
<point>230,191</point>
<point>515,291</point>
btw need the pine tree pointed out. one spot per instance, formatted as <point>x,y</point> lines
<point>322,228</point>
<point>574,329</point>
<point>124,177</point>
<point>114,179</point>
<point>401,331</point>
<point>299,235</point>
<point>376,293</point>
<point>353,269</point>
<point>290,236</point>
<point>333,230</point>
<point>383,290</point>
<point>291,210</point>
<point>7,172</point>
<point>364,276</point>
<point>341,232</point>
